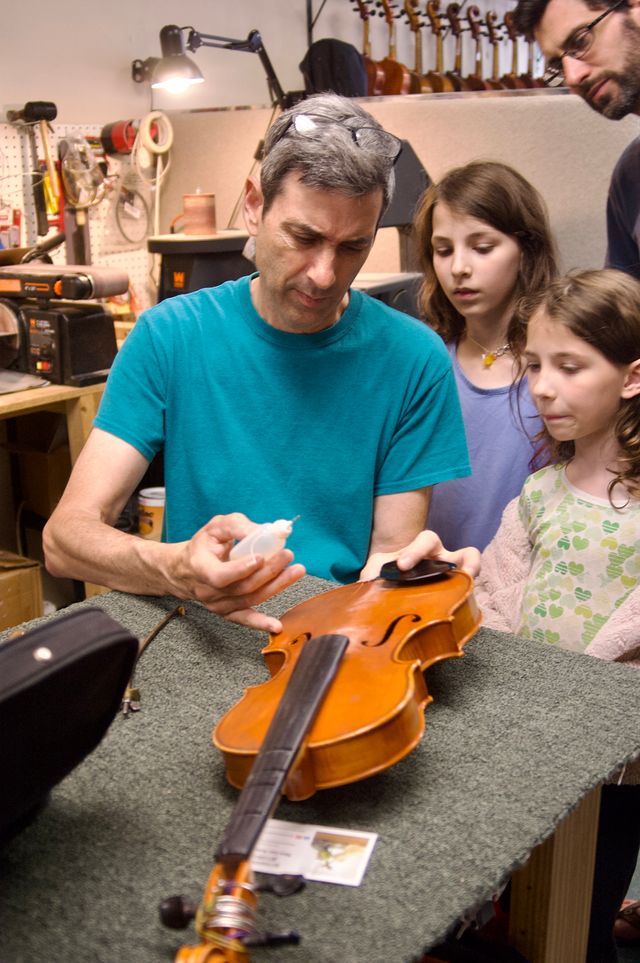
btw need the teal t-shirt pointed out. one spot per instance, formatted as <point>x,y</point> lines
<point>273,424</point>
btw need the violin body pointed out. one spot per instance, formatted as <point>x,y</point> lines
<point>512,82</point>
<point>373,714</point>
<point>396,77</point>
<point>375,77</point>
<point>439,83</point>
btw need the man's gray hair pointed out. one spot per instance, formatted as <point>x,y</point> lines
<point>328,159</point>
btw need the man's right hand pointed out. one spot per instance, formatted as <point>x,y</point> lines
<point>81,542</point>
<point>200,569</point>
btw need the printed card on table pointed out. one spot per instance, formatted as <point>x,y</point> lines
<point>319,853</point>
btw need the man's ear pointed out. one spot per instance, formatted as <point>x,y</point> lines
<point>253,204</point>
<point>631,386</point>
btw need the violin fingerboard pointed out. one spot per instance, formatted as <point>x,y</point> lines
<point>313,674</point>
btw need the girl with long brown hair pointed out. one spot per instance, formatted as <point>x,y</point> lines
<point>484,242</point>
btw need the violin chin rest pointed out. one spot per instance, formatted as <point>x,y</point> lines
<point>428,570</point>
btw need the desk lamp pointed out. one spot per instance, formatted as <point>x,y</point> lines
<point>175,71</point>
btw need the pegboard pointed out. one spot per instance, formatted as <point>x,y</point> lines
<point>108,245</point>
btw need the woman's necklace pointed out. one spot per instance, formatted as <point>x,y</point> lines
<point>488,357</point>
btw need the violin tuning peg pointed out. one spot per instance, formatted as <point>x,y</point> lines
<point>272,939</point>
<point>284,885</point>
<point>131,701</point>
<point>176,912</point>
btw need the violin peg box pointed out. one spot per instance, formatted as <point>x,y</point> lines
<point>61,685</point>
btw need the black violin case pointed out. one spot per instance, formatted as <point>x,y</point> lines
<point>61,685</point>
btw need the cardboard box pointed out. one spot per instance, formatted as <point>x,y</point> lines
<point>44,462</point>
<point>20,589</point>
<point>43,477</point>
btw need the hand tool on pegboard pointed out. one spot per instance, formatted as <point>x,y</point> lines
<point>40,112</point>
<point>84,186</point>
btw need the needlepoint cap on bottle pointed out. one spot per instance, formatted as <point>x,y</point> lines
<point>266,540</point>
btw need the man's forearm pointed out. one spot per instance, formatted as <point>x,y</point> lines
<point>92,551</point>
<point>86,547</point>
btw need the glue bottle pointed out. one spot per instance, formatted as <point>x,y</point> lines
<point>266,540</point>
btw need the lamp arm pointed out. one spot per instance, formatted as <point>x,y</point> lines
<point>253,44</point>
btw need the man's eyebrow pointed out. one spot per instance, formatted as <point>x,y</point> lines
<point>569,39</point>
<point>293,225</point>
<point>301,228</point>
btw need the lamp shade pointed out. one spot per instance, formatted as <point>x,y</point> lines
<point>175,73</point>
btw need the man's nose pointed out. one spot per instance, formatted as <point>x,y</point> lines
<point>322,269</point>
<point>575,71</point>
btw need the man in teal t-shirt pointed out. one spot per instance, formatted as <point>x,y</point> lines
<point>283,394</point>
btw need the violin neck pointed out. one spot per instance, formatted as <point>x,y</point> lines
<point>313,674</point>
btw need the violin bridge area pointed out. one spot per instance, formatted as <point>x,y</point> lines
<point>518,735</point>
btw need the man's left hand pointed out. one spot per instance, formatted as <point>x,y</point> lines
<point>425,545</point>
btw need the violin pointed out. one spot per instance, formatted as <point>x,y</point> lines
<point>455,75</point>
<point>423,85</point>
<point>476,81</point>
<point>397,77</point>
<point>437,78</point>
<point>340,705</point>
<point>494,40</point>
<point>514,80</point>
<point>397,625</point>
<point>375,73</point>
<point>535,81</point>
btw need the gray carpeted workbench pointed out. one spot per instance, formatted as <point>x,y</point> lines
<point>517,734</point>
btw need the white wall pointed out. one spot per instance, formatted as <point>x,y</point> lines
<point>78,53</point>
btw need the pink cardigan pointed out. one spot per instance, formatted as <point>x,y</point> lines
<point>500,585</point>
<point>499,589</point>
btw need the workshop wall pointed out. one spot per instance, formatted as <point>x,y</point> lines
<point>565,149</point>
<point>78,53</point>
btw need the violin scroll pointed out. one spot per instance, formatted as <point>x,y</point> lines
<point>226,918</point>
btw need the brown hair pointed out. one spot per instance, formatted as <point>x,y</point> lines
<point>498,195</point>
<point>603,309</point>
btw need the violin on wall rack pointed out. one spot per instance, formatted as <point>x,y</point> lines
<point>391,77</point>
<point>375,72</point>
<point>397,77</point>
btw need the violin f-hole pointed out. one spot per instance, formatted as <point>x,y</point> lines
<point>391,629</point>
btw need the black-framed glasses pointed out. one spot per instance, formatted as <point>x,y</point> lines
<point>577,47</point>
<point>367,138</point>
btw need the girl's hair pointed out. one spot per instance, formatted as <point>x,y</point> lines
<point>602,308</point>
<point>501,197</point>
